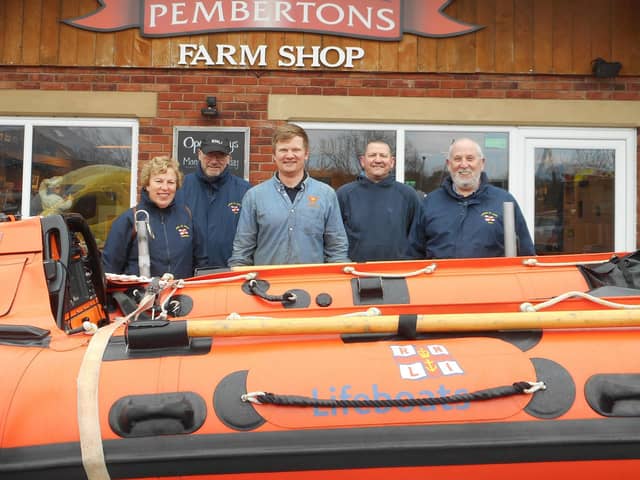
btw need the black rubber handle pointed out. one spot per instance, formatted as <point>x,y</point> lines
<point>134,412</point>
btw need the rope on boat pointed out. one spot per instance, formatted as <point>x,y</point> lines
<point>428,269</point>
<point>121,279</point>
<point>517,388</point>
<point>245,276</point>
<point>287,297</point>
<point>534,262</point>
<point>529,307</point>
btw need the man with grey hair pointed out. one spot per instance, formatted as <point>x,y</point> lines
<point>464,217</point>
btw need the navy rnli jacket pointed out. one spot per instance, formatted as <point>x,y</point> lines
<point>453,226</point>
<point>215,203</point>
<point>175,247</point>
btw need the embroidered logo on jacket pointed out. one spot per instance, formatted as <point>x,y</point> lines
<point>313,200</point>
<point>490,217</point>
<point>183,231</point>
<point>234,207</point>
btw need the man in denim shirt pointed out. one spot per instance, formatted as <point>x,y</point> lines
<point>290,218</point>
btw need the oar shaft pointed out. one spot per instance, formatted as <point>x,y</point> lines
<point>425,323</point>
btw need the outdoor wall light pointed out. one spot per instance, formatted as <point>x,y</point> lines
<point>211,110</point>
<point>603,69</point>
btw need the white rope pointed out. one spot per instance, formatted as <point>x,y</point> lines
<point>528,307</point>
<point>244,276</point>
<point>126,279</point>
<point>428,269</point>
<point>122,279</point>
<point>534,262</point>
<point>87,382</point>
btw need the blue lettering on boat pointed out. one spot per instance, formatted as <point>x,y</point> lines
<point>345,392</point>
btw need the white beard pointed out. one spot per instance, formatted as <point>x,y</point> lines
<point>465,183</point>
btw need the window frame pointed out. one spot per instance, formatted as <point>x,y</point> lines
<point>521,173</point>
<point>28,123</point>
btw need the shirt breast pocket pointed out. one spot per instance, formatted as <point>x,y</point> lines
<point>312,219</point>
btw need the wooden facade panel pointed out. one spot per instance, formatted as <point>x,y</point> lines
<point>626,33</point>
<point>407,54</point>
<point>105,49</point>
<point>461,51</point>
<point>562,37</point>
<point>276,39</point>
<point>50,33</point>
<point>142,51</point>
<point>12,33</point>
<point>371,59</point>
<point>388,57</point>
<point>160,52</point>
<point>518,36</point>
<point>3,21</point>
<point>486,37</point>
<point>68,34</point>
<point>504,27</point>
<point>123,48</point>
<point>522,35</point>
<point>427,52</point>
<point>542,36</point>
<point>581,39</point>
<point>600,27</point>
<point>31,31</point>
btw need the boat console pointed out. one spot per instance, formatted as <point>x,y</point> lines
<point>74,273</point>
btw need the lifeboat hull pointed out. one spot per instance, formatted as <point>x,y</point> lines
<point>427,404</point>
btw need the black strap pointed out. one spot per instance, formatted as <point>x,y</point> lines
<point>407,326</point>
<point>286,297</point>
<point>127,304</point>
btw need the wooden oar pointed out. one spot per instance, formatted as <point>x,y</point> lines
<point>424,323</point>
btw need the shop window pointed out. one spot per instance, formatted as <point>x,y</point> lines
<point>11,153</point>
<point>575,186</point>
<point>334,155</point>
<point>73,166</point>
<point>426,152</point>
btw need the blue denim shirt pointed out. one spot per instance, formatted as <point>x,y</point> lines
<point>273,230</point>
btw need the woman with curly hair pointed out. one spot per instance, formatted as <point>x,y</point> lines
<point>174,245</point>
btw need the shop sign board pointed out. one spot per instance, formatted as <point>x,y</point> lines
<point>384,20</point>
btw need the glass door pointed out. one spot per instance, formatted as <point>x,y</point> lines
<point>580,191</point>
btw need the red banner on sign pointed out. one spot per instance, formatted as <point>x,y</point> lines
<point>375,19</point>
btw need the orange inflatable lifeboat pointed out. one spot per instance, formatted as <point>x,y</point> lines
<point>479,369</point>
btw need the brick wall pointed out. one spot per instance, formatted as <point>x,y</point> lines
<point>242,95</point>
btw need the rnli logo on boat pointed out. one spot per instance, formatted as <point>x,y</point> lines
<point>490,217</point>
<point>422,361</point>
<point>183,231</point>
<point>234,207</point>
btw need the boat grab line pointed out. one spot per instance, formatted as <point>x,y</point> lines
<point>121,279</point>
<point>529,307</point>
<point>534,262</point>
<point>516,388</point>
<point>428,269</point>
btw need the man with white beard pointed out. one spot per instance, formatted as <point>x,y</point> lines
<point>464,217</point>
